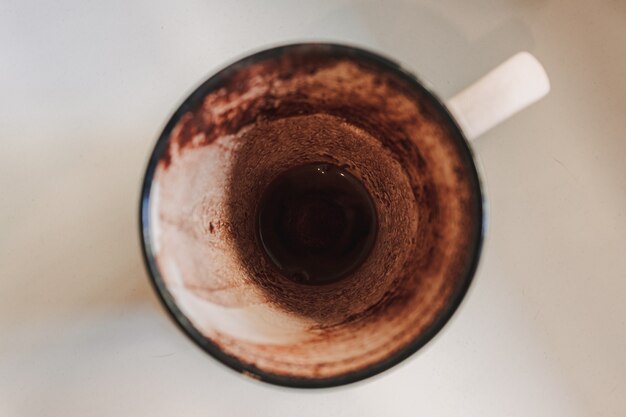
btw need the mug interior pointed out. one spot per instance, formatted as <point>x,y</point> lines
<point>283,108</point>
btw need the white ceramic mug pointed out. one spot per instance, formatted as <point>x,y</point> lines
<point>335,104</point>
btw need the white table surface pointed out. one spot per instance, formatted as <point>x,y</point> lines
<point>85,88</point>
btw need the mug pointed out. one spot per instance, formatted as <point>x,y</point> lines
<point>350,113</point>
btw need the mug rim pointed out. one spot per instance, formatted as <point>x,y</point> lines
<point>204,343</point>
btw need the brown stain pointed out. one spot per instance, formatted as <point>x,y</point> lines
<point>271,148</point>
<point>311,105</point>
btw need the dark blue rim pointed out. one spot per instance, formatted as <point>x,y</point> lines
<point>211,348</point>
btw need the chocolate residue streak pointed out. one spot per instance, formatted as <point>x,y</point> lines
<point>313,105</point>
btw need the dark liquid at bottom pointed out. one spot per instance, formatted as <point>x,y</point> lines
<point>317,223</point>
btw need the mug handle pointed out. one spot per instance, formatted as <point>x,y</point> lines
<point>507,89</point>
